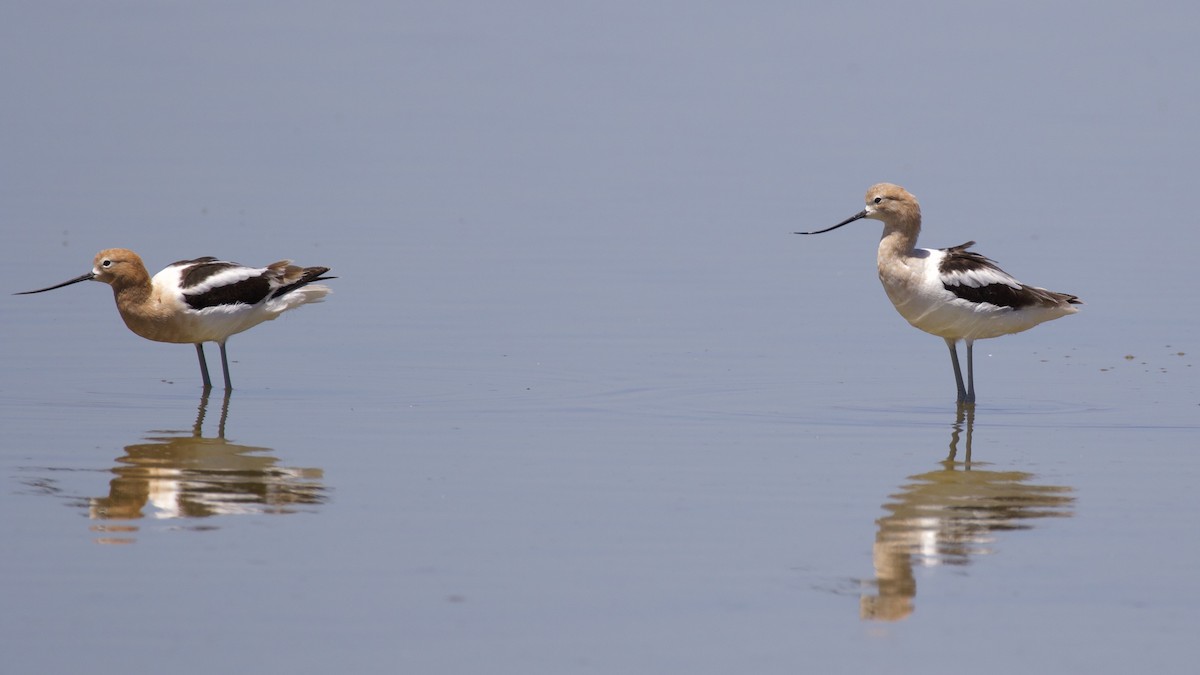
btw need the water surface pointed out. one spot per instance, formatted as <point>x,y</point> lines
<point>580,400</point>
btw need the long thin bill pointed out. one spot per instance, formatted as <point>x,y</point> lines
<point>86,277</point>
<point>851,219</point>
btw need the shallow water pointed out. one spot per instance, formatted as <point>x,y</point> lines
<point>580,401</point>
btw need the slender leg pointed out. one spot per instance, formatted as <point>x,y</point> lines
<point>955,432</point>
<point>198,427</point>
<point>225,367</point>
<point>965,413</point>
<point>970,430</point>
<point>962,391</point>
<point>203,366</point>
<point>225,416</point>
<point>970,371</point>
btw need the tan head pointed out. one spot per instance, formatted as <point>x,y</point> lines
<point>887,202</point>
<point>117,267</point>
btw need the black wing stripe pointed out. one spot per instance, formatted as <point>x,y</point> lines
<point>1001,295</point>
<point>201,270</point>
<point>247,291</point>
<point>959,264</point>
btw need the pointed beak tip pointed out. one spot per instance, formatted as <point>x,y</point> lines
<point>851,219</point>
<point>85,277</point>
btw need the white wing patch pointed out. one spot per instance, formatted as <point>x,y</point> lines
<point>226,277</point>
<point>979,277</point>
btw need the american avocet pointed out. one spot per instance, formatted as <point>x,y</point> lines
<point>950,292</point>
<point>201,300</point>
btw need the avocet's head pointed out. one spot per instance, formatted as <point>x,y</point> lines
<point>118,267</point>
<point>113,266</point>
<point>886,202</point>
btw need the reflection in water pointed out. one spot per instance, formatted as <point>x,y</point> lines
<point>946,516</point>
<point>188,475</point>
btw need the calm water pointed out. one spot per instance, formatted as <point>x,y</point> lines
<point>580,401</point>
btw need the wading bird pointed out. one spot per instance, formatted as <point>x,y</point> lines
<point>201,300</point>
<point>953,293</point>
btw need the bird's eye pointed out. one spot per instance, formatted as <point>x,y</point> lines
<point>106,263</point>
<point>878,200</point>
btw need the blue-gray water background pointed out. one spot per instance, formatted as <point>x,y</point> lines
<point>580,401</point>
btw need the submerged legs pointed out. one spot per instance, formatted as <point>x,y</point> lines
<point>229,386</point>
<point>966,394</point>
<point>970,371</point>
<point>203,366</point>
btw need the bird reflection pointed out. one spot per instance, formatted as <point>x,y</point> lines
<point>945,517</point>
<point>188,475</point>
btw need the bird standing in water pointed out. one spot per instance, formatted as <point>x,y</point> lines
<point>953,293</point>
<point>201,300</point>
